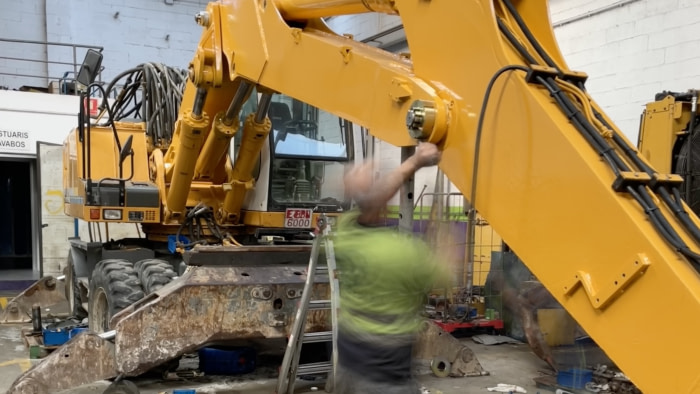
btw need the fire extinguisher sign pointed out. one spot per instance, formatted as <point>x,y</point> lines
<point>90,104</point>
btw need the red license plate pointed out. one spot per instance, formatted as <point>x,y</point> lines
<point>297,218</point>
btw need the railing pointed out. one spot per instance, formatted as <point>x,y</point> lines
<point>77,53</point>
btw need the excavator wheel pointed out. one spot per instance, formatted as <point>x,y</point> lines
<point>154,274</point>
<point>122,387</point>
<point>72,288</point>
<point>114,286</point>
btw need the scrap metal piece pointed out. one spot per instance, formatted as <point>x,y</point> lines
<point>213,304</point>
<point>434,343</point>
<point>206,305</point>
<point>83,359</point>
<point>47,292</point>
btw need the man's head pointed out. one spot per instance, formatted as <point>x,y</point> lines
<point>358,184</point>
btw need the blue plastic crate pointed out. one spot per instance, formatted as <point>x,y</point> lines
<point>56,338</point>
<point>574,378</point>
<point>226,361</point>
<point>76,331</point>
<point>61,336</point>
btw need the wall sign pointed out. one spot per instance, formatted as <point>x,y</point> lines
<point>15,141</point>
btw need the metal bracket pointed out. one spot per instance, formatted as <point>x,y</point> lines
<point>609,289</point>
<point>46,292</point>
<point>91,358</point>
<point>630,178</point>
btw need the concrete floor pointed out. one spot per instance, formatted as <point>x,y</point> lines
<point>507,363</point>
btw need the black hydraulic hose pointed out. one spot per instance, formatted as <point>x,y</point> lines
<point>514,41</point>
<point>526,30</point>
<point>623,145</point>
<point>120,76</point>
<point>663,222</point>
<point>585,128</point>
<point>642,196</point>
<point>657,219</point>
<point>480,124</point>
<point>676,206</point>
<point>691,137</point>
<point>574,114</point>
<point>81,128</point>
<point>569,109</point>
<point>87,142</point>
<point>109,113</point>
<point>592,135</point>
<point>570,114</point>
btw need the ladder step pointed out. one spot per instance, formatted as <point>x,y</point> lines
<point>314,368</point>
<point>314,337</point>
<point>322,270</point>
<point>319,304</point>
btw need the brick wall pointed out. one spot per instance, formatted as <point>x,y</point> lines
<point>22,20</point>
<point>362,26</point>
<point>130,31</point>
<point>630,52</point>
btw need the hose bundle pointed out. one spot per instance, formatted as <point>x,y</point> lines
<point>150,92</point>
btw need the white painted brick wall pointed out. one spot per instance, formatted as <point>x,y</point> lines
<point>362,26</point>
<point>131,31</point>
<point>631,52</point>
<point>22,20</point>
<point>143,30</point>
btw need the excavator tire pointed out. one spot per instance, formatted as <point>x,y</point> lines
<point>114,286</point>
<point>72,289</point>
<point>154,274</point>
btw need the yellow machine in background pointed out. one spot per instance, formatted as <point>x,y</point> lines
<point>668,139</point>
<point>599,226</point>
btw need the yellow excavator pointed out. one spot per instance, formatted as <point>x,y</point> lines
<point>599,226</point>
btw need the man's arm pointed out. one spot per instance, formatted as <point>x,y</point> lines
<point>372,197</point>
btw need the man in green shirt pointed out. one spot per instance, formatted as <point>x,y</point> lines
<point>384,279</point>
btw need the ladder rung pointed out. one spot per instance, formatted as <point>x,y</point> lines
<point>322,270</point>
<point>319,304</point>
<point>313,337</point>
<point>314,368</point>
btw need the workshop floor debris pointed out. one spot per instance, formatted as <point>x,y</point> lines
<point>511,363</point>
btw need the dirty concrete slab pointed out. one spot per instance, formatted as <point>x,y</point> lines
<point>13,355</point>
<point>507,363</point>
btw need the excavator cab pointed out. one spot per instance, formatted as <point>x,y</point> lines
<point>309,150</point>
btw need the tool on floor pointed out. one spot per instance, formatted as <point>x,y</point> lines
<point>290,364</point>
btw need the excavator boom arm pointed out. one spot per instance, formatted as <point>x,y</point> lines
<point>521,139</point>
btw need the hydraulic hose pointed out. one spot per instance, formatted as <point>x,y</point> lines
<point>570,110</point>
<point>480,124</point>
<point>598,142</point>
<point>528,34</point>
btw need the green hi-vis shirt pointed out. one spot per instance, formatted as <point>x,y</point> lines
<point>385,277</point>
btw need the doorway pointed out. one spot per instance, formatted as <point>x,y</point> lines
<point>16,246</point>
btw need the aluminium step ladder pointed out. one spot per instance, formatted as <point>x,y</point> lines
<point>291,368</point>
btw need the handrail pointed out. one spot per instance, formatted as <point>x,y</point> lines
<point>75,64</point>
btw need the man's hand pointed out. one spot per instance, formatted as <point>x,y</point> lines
<point>426,155</point>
